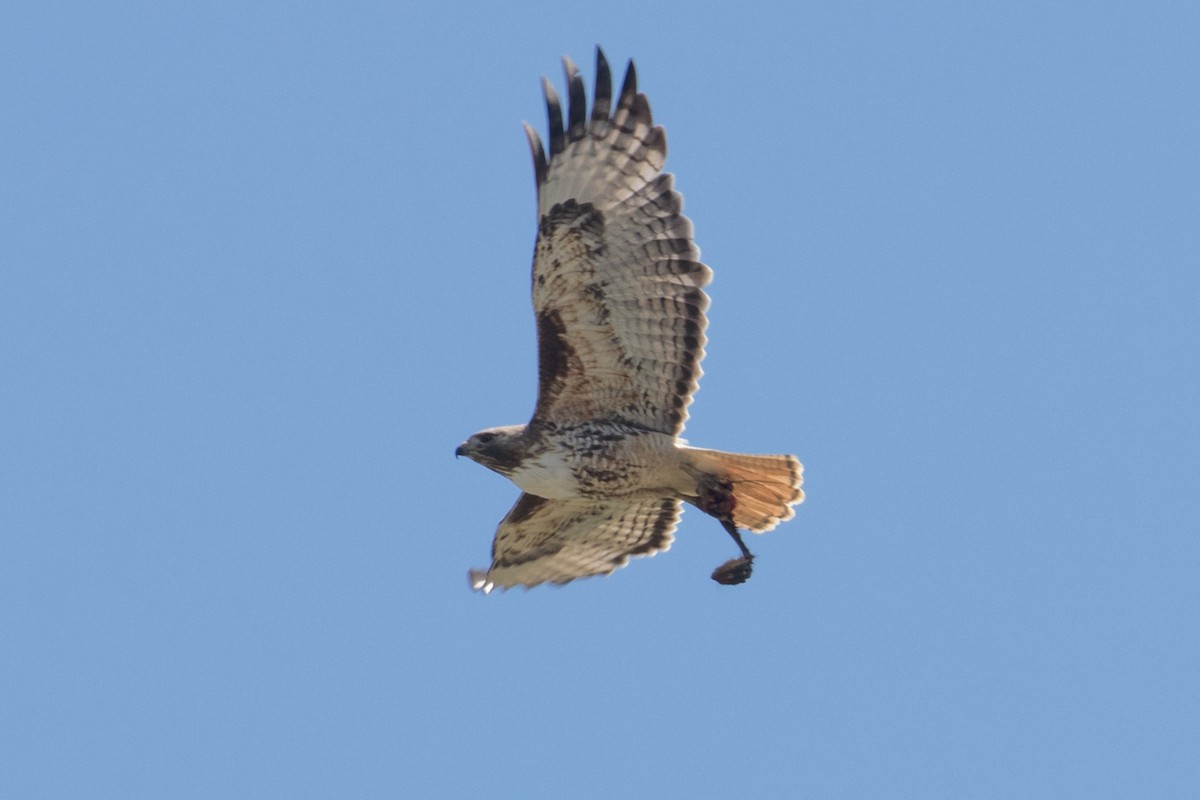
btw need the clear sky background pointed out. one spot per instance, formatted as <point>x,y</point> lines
<point>264,265</point>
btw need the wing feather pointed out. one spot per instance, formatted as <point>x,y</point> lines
<point>554,117</point>
<point>576,100</point>
<point>561,540</point>
<point>603,102</point>
<point>617,280</point>
<point>539,155</point>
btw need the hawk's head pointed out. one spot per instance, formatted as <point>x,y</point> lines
<point>501,449</point>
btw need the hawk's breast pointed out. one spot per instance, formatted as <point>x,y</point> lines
<point>599,461</point>
<point>547,473</point>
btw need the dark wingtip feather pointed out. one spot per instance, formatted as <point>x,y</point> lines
<point>656,139</point>
<point>577,100</point>
<point>540,168</point>
<point>555,117</point>
<point>641,109</point>
<point>629,87</point>
<point>603,103</point>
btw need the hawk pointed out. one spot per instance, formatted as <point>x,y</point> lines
<point>619,301</point>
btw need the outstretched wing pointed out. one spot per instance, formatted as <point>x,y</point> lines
<point>617,279</point>
<point>560,540</point>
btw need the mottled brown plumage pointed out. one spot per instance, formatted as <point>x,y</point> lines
<point>619,303</point>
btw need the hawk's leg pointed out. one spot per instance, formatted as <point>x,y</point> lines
<point>717,500</point>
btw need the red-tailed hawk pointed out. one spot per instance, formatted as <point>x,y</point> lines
<point>619,302</point>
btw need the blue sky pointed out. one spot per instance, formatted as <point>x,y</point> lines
<point>265,264</point>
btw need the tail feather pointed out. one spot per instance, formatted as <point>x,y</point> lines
<point>764,487</point>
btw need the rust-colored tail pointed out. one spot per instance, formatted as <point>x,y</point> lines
<point>764,487</point>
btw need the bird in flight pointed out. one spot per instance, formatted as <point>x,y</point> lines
<point>619,303</point>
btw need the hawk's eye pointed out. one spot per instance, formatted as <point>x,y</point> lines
<point>484,438</point>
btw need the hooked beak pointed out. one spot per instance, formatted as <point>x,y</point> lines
<point>461,450</point>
